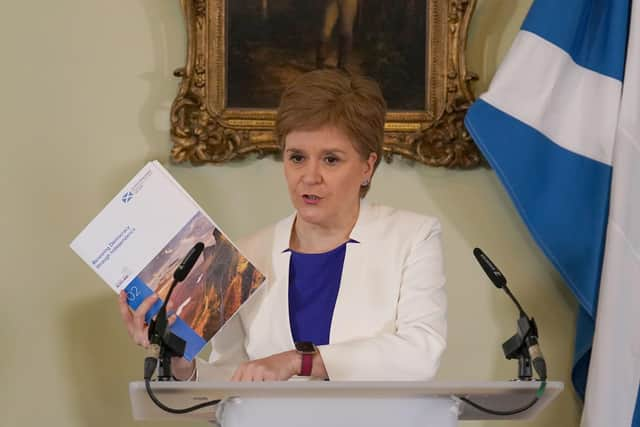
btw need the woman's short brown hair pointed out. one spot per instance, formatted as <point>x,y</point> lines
<point>351,103</point>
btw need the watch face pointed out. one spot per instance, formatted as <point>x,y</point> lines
<point>305,347</point>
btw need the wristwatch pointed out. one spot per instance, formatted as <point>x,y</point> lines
<point>307,349</point>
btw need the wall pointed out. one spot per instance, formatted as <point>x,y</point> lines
<point>86,90</point>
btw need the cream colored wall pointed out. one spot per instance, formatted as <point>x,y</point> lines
<point>85,93</point>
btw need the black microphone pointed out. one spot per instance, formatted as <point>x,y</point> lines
<point>496,276</point>
<point>524,345</point>
<point>490,268</point>
<point>181,273</point>
<point>188,262</point>
<point>163,343</point>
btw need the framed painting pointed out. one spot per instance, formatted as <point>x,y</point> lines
<point>242,53</point>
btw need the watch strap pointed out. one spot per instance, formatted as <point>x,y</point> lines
<point>307,364</point>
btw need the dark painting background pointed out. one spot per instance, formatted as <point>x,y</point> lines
<point>271,42</point>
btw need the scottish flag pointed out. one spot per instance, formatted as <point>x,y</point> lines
<point>560,124</point>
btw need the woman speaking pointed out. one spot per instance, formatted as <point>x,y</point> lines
<point>355,291</point>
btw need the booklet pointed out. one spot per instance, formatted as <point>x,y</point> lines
<point>141,237</point>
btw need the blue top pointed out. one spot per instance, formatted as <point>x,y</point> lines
<point>314,281</point>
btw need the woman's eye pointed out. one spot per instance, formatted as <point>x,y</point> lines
<point>331,160</point>
<point>296,158</point>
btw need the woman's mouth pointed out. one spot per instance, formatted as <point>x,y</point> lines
<point>311,199</point>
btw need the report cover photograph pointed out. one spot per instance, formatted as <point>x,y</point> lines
<point>220,281</point>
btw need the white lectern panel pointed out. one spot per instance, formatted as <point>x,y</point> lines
<point>322,403</point>
<point>339,412</point>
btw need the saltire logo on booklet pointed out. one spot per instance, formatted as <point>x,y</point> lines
<point>126,197</point>
<point>135,187</point>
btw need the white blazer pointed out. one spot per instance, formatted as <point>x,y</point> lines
<point>389,321</point>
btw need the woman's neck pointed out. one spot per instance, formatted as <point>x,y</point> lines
<point>316,238</point>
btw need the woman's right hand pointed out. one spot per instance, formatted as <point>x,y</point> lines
<point>139,332</point>
<point>134,320</point>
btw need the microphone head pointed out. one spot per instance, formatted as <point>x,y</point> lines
<point>198,247</point>
<point>188,262</point>
<point>496,276</point>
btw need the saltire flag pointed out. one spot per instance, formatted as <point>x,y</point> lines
<point>560,125</point>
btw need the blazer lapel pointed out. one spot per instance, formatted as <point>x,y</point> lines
<point>280,326</point>
<point>350,290</point>
<point>351,283</point>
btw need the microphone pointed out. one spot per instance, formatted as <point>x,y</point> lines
<point>524,344</point>
<point>496,276</point>
<point>165,344</point>
<point>490,268</point>
<point>188,262</point>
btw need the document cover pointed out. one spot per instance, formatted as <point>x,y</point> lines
<point>143,234</point>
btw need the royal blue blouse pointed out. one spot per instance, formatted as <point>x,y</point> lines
<point>314,281</point>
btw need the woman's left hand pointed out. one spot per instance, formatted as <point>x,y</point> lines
<point>278,367</point>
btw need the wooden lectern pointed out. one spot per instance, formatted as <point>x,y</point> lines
<point>341,403</point>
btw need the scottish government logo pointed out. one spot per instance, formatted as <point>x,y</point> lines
<point>126,197</point>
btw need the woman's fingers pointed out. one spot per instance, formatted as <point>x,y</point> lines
<point>135,321</point>
<point>125,313</point>
<point>141,327</point>
<point>243,372</point>
<point>237,374</point>
<point>269,376</point>
<point>273,368</point>
<point>172,319</point>
<point>140,312</point>
<point>248,374</point>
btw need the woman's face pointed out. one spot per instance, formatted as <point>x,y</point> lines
<point>324,173</point>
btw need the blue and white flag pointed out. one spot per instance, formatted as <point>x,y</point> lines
<point>560,124</point>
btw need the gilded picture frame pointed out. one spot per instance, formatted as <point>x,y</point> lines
<point>207,128</point>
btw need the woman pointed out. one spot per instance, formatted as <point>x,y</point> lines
<point>358,289</point>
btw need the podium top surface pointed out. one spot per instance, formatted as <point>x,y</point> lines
<point>497,395</point>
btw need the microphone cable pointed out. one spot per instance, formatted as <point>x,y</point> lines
<point>147,384</point>
<point>153,353</point>
<point>150,363</point>
<point>539,393</point>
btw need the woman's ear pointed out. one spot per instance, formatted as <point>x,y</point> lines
<point>371,163</point>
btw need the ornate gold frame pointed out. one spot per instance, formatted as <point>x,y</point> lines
<point>203,130</point>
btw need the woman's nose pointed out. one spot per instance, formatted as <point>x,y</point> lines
<point>312,173</point>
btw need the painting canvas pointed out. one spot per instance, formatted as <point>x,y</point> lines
<point>271,42</point>
<point>241,54</point>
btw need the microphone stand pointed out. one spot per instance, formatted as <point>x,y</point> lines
<point>170,345</point>
<point>522,346</point>
<point>517,347</point>
<point>164,343</point>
